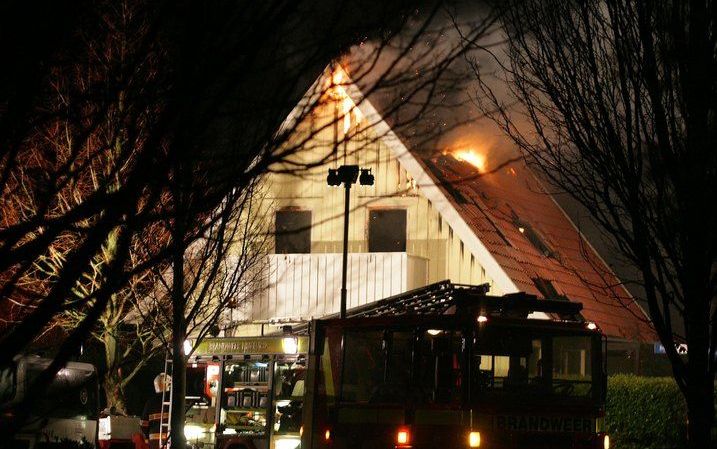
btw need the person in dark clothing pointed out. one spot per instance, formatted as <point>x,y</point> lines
<point>155,413</point>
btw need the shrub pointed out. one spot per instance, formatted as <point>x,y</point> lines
<point>645,412</point>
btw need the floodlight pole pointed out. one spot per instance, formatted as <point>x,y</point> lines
<point>347,175</point>
<point>344,265</point>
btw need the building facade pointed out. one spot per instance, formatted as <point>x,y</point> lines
<point>425,219</point>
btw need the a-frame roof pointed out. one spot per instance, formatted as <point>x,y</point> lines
<point>518,233</point>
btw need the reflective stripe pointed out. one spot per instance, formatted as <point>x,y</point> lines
<point>157,436</point>
<point>156,416</point>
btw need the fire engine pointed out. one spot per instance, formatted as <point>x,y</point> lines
<point>449,366</point>
<point>443,366</point>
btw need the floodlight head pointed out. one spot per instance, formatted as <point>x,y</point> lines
<point>348,174</point>
<point>333,178</point>
<point>366,178</point>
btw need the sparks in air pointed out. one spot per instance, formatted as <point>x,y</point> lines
<point>472,157</point>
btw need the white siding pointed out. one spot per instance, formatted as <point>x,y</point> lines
<point>309,285</point>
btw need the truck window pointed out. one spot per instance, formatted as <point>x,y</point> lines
<point>572,365</point>
<point>72,393</point>
<point>8,384</point>
<point>402,366</point>
<point>289,378</point>
<point>363,365</point>
<point>518,363</point>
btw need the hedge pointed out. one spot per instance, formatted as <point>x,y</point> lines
<point>645,413</point>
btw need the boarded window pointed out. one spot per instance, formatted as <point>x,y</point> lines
<point>293,231</point>
<point>387,231</point>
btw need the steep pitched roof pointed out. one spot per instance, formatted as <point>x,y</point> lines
<point>535,242</point>
<point>518,233</point>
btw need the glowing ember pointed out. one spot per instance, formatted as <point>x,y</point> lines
<point>472,157</point>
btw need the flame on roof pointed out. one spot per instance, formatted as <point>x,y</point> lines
<point>473,157</point>
<point>337,91</point>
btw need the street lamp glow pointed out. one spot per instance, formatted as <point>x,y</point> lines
<point>290,345</point>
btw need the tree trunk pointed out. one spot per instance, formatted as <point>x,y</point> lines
<point>699,391</point>
<point>700,414</point>
<point>114,393</point>
<point>179,372</point>
<point>113,382</point>
<point>179,329</point>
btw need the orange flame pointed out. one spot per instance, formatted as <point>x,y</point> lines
<point>471,156</point>
<point>347,106</point>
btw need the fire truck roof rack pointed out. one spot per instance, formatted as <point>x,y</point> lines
<point>445,297</point>
<point>438,298</point>
<point>431,299</point>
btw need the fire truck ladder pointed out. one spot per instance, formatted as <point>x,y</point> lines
<point>432,299</point>
<point>165,424</point>
<point>446,297</point>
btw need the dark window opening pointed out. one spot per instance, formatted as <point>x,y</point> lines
<point>547,289</point>
<point>535,239</point>
<point>293,232</point>
<point>387,231</point>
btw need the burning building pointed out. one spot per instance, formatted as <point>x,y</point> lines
<point>450,215</point>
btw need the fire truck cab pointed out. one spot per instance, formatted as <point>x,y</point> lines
<point>448,366</point>
<point>246,392</point>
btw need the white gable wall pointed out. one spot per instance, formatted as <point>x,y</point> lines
<point>440,244</point>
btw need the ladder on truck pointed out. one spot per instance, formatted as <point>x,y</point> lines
<point>165,419</point>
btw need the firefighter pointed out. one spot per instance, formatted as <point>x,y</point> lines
<point>155,413</point>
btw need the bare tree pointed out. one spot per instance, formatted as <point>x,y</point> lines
<point>617,107</point>
<point>204,281</point>
<point>197,95</point>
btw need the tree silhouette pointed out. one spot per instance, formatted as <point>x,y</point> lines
<point>167,113</point>
<point>616,106</point>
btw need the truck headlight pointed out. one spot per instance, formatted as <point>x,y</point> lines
<point>287,443</point>
<point>193,432</point>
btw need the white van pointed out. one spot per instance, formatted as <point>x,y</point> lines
<point>67,412</point>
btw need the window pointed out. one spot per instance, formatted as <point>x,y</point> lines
<point>387,231</point>
<point>401,366</point>
<point>535,238</point>
<point>547,289</point>
<point>293,231</point>
<point>520,364</point>
<point>363,370</point>
<point>289,377</point>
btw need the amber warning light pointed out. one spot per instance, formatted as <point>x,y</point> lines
<point>474,439</point>
<point>403,438</point>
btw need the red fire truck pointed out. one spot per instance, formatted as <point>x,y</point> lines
<point>448,366</point>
